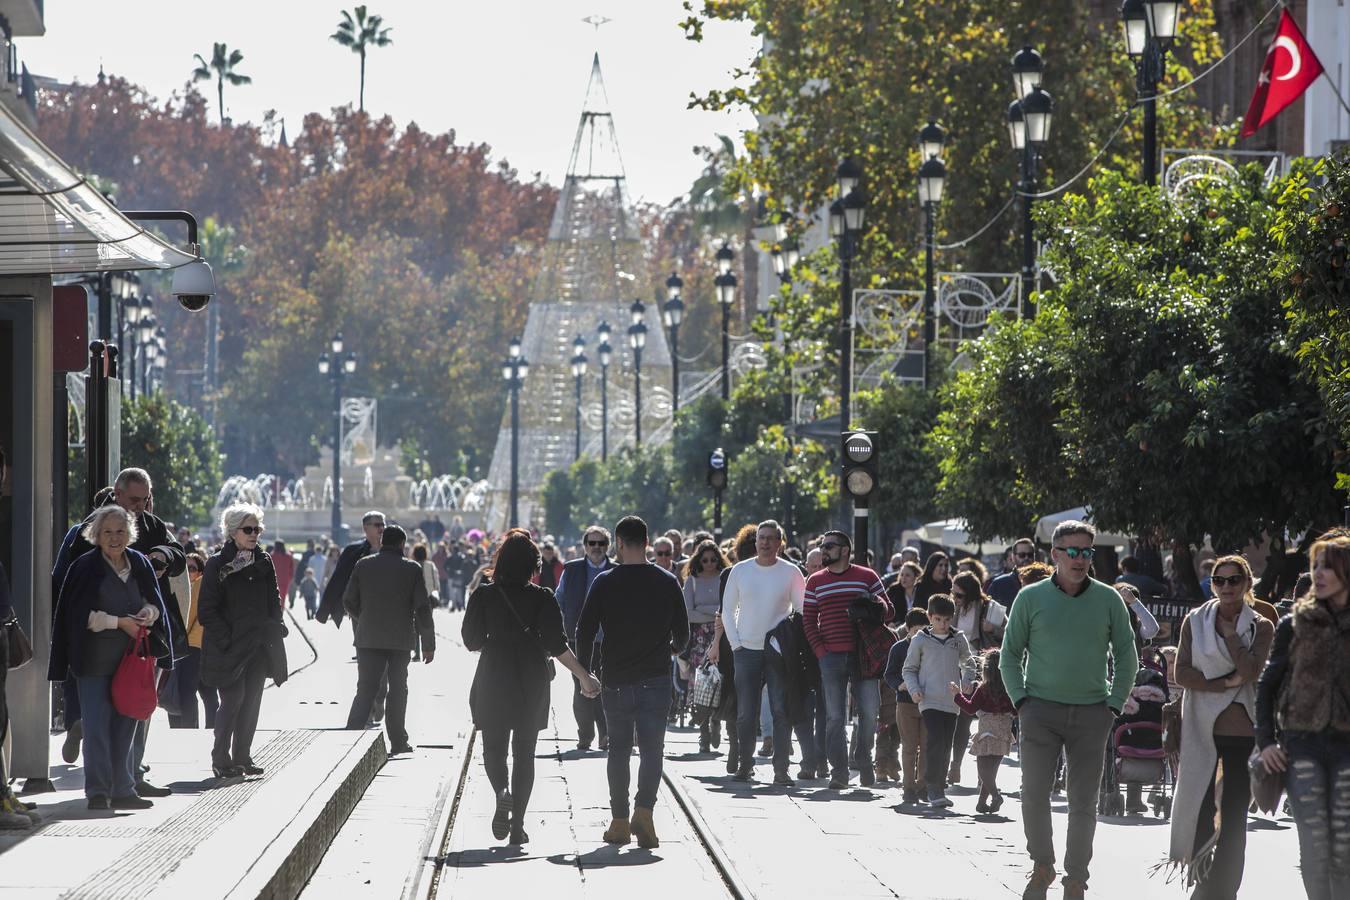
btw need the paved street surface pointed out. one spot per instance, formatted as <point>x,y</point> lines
<point>800,842</point>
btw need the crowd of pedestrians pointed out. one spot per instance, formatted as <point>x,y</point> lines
<point>898,675</point>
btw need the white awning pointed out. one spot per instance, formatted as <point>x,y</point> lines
<point>53,221</point>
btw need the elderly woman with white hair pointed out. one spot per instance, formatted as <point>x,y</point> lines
<point>109,594</point>
<point>240,611</point>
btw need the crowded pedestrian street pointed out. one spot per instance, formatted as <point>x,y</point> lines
<point>809,449</point>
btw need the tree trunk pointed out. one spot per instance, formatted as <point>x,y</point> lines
<point>1183,571</point>
<point>361,100</point>
<point>220,97</point>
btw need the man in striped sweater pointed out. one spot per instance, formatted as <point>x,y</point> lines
<point>825,617</point>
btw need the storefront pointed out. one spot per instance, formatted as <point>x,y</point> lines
<point>52,222</point>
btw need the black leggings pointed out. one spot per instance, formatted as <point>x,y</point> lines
<point>1225,875</point>
<point>521,777</point>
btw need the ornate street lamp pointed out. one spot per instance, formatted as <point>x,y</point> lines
<point>514,370</point>
<point>932,181</point>
<point>847,216</point>
<point>725,283</point>
<point>337,367</point>
<point>1150,28</point>
<point>605,353</point>
<point>1029,121</point>
<point>578,372</point>
<point>672,314</point>
<point>637,339</point>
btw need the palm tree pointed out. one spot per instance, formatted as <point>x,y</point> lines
<point>357,32</point>
<point>223,61</point>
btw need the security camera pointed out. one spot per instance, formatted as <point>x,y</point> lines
<point>194,285</point>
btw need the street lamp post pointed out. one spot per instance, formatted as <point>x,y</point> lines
<point>337,367</point>
<point>150,354</point>
<point>514,370</point>
<point>786,255</point>
<point>847,214</point>
<point>1029,128</point>
<point>932,179</point>
<point>134,309</point>
<point>1150,27</point>
<point>578,371</point>
<point>637,339</point>
<point>672,314</point>
<point>605,353</point>
<point>725,283</point>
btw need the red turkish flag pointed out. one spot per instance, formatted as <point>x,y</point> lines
<point>1284,77</point>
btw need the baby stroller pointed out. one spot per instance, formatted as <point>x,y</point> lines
<point>1134,752</point>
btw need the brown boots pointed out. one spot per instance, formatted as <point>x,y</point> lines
<point>644,829</point>
<point>618,832</point>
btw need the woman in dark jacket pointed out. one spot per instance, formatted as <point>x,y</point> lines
<point>1303,719</point>
<point>108,595</point>
<point>241,639</point>
<point>936,579</point>
<point>517,626</point>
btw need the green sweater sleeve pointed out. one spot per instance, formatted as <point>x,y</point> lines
<point>1011,657</point>
<point>1126,656</point>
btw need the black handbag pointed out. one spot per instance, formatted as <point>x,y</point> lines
<point>548,657</point>
<point>20,647</point>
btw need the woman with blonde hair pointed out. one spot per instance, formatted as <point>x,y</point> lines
<point>1303,725</point>
<point>1222,647</point>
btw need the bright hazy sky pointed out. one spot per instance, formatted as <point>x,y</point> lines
<point>509,73</point>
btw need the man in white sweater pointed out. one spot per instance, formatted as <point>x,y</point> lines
<point>760,592</point>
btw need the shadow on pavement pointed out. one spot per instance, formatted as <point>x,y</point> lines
<point>606,857</point>
<point>472,859</point>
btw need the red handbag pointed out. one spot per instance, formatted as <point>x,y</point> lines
<point>133,684</point>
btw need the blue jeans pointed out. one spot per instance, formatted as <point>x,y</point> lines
<point>837,672</point>
<point>107,741</point>
<point>1319,796</point>
<point>643,706</point>
<point>751,676</point>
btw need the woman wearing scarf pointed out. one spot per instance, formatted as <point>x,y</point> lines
<point>1222,649</point>
<point>241,640</point>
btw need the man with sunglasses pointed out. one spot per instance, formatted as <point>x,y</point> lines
<point>1004,588</point>
<point>372,524</point>
<point>1061,636</point>
<point>573,586</point>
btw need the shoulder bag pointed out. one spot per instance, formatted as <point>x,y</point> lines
<point>133,684</point>
<point>548,657</point>
<point>20,648</point>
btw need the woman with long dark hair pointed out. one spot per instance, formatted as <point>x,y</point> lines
<point>1310,736</point>
<point>936,579</point>
<point>702,602</point>
<point>518,627</point>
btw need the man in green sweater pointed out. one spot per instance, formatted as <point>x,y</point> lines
<point>1055,664</point>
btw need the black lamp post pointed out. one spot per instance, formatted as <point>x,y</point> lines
<point>637,339</point>
<point>672,314</point>
<point>514,370</point>
<point>847,215</point>
<point>725,283</point>
<point>605,353</point>
<point>786,255</point>
<point>337,367</point>
<point>578,371</point>
<point>1150,27</point>
<point>932,180</point>
<point>135,309</point>
<point>149,359</point>
<point>1029,129</point>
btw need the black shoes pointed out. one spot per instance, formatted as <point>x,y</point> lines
<point>251,769</point>
<point>806,775</point>
<point>401,748</point>
<point>784,780</point>
<point>501,819</point>
<point>744,775</point>
<point>98,801</point>
<point>995,803</point>
<point>132,802</point>
<point>70,747</point>
<point>837,785</point>
<point>518,836</point>
<point>867,776</point>
<point>146,789</point>
<point>226,772</point>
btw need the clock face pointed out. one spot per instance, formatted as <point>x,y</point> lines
<point>717,459</point>
<point>860,483</point>
<point>858,448</point>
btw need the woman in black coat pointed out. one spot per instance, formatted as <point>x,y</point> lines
<point>518,627</point>
<point>240,612</point>
<point>108,595</point>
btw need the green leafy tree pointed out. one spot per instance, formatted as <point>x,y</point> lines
<point>357,32</point>
<point>222,69</point>
<point>177,447</point>
<point>1312,228</point>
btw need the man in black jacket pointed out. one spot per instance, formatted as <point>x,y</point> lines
<point>372,523</point>
<point>387,600</point>
<point>132,491</point>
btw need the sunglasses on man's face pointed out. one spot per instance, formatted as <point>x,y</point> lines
<point>251,530</point>
<point>1078,552</point>
<point>194,568</point>
<point>1221,580</point>
<point>1026,555</point>
<point>597,543</point>
<point>830,546</point>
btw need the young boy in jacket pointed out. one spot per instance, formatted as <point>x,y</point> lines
<point>938,656</point>
<point>907,718</point>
